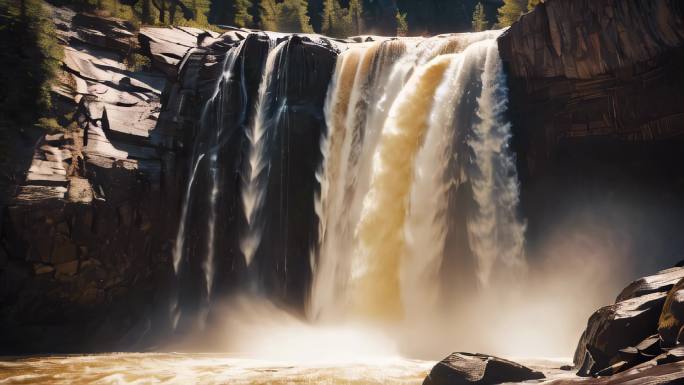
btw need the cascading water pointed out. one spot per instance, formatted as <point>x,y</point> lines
<point>494,232</point>
<point>205,153</point>
<point>410,122</point>
<point>257,168</point>
<point>388,173</point>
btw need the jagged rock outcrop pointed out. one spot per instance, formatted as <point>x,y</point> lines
<point>478,369</point>
<point>637,328</point>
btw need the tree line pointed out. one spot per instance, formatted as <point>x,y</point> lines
<point>340,18</point>
<point>337,18</point>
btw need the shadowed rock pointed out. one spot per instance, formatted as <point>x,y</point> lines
<point>479,369</point>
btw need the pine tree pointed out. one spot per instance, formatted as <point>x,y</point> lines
<point>221,12</point>
<point>532,3</point>
<point>510,11</point>
<point>402,24</point>
<point>268,15</point>
<point>479,18</point>
<point>242,16</point>
<point>328,16</point>
<point>355,16</point>
<point>292,16</point>
<point>337,21</point>
<point>316,14</point>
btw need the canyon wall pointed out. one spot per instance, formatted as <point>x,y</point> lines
<point>597,104</point>
<point>90,213</point>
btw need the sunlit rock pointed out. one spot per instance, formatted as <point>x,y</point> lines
<point>671,322</point>
<point>478,369</point>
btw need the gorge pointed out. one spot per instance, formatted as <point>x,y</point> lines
<point>298,198</point>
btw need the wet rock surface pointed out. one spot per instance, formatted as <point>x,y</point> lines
<point>478,369</point>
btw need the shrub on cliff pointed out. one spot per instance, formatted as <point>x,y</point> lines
<point>29,58</point>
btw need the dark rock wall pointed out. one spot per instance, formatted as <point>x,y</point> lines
<point>597,104</point>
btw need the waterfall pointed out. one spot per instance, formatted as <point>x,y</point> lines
<point>205,152</point>
<point>407,121</point>
<point>256,173</point>
<point>413,125</point>
<point>494,232</point>
<point>375,274</point>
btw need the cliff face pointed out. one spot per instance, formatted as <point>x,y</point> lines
<point>91,221</point>
<point>597,103</point>
<point>86,231</point>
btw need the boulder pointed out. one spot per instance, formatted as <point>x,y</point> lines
<point>480,369</point>
<point>671,322</point>
<point>614,328</point>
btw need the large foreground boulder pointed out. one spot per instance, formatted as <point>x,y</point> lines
<point>479,369</point>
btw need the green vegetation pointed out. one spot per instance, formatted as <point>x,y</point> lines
<point>292,16</point>
<point>137,62</point>
<point>286,16</point>
<point>355,16</point>
<point>510,11</point>
<point>242,16</point>
<point>402,24</point>
<point>338,21</point>
<point>192,13</point>
<point>479,18</point>
<point>269,15</point>
<point>532,3</point>
<point>339,18</point>
<point>30,58</point>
